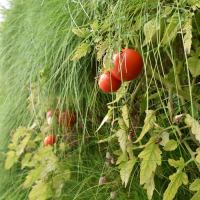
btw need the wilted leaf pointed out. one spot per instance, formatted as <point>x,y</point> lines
<point>177,180</point>
<point>122,136</point>
<point>170,146</point>
<point>125,115</point>
<point>150,186</point>
<point>107,139</point>
<point>151,158</point>
<point>81,51</point>
<point>194,124</point>
<point>150,117</point>
<point>26,159</point>
<point>126,170</point>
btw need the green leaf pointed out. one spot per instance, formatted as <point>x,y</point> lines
<point>102,47</point>
<point>10,159</point>
<point>180,164</point>
<point>122,157</point>
<point>118,152</point>
<point>150,117</point>
<point>122,136</point>
<point>194,124</point>
<point>32,144</point>
<point>194,3</point>
<point>22,146</point>
<point>106,118</point>
<point>171,29</point>
<point>38,138</point>
<point>33,176</point>
<point>19,133</point>
<point>177,180</point>
<point>64,170</point>
<point>107,139</point>
<point>41,191</point>
<point>126,170</point>
<point>194,66</point>
<point>188,35</point>
<point>151,158</point>
<point>150,186</point>
<point>195,186</point>
<point>26,159</point>
<point>170,146</point>
<point>81,51</point>
<point>125,115</point>
<point>94,25</point>
<point>81,32</point>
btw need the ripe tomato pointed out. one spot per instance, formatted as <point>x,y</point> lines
<point>131,65</point>
<point>105,83</point>
<point>50,140</point>
<point>68,118</point>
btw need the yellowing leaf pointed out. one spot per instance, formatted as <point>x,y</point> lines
<point>151,158</point>
<point>177,180</point>
<point>106,118</point>
<point>122,136</point>
<point>81,32</point>
<point>33,176</point>
<point>188,36</point>
<point>121,158</point>
<point>121,92</point>
<point>150,186</point>
<point>125,115</point>
<point>170,146</point>
<point>195,127</point>
<point>81,51</point>
<point>26,159</point>
<point>107,139</point>
<point>165,138</point>
<point>108,61</point>
<point>171,29</point>
<point>194,3</point>
<point>195,186</point>
<point>102,47</point>
<point>94,25</point>
<point>194,66</point>
<point>10,159</point>
<point>41,191</point>
<point>177,164</point>
<point>126,170</point>
<point>150,117</point>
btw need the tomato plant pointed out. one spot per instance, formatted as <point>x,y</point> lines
<point>50,140</point>
<point>131,65</point>
<point>105,83</point>
<point>67,118</point>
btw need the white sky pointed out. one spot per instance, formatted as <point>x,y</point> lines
<point>4,3</point>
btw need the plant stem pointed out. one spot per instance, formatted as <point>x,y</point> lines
<point>136,91</point>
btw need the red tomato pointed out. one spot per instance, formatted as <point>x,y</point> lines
<point>50,140</point>
<point>131,65</point>
<point>68,118</point>
<point>52,112</point>
<point>105,83</point>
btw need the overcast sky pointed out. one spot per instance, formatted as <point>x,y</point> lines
<point>4,3</point>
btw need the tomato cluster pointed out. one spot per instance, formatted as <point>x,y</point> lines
<point>128,66</point>
<point>67,119</point>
